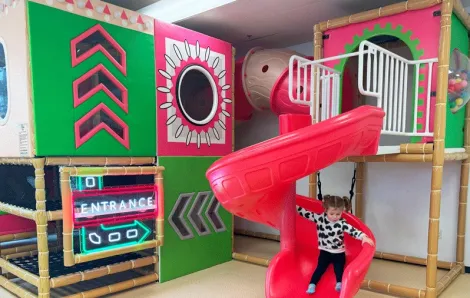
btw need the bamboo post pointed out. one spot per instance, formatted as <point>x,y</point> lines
<point>317,55</point>
<point>391,289</point>
<point>117,287</point>
<point>405,157</point>
<point>160,220</point>
<point>67,222</point>
<point>462,209</point>
<point>359,203</point>
<point>421,148</point>
<point>99,161</point>
<point>251,259</point>
<point>73,278</point>
<point>41,229</point>
<point>81,258</point>
<point>438,152</point>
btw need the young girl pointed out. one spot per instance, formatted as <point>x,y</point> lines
<point>330,229</point>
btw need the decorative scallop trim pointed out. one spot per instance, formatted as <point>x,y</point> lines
<point>96,9</point>
<point>6,5</point>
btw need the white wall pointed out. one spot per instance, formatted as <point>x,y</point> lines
<point>396,194</point>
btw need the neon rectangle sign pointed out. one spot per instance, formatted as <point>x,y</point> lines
<point>114,205</point>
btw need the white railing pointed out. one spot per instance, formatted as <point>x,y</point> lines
<point>326,80</point>
<point>385,78</point>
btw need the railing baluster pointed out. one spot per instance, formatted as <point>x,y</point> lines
<point>385,105</point>
<point>400,94</point>
<point>387,81</point>
<point>415,103</point>
<point>390,104</point>
<point>368,63</point>
<point>396,94</point>
<point>428,92</point>
<point>405,98</point>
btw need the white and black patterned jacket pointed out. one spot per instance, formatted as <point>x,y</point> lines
<point>330,234</point>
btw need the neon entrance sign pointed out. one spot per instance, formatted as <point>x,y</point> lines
<point>114,205</point>
<point>107,237</point>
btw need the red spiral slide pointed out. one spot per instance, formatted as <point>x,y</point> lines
<point>258,183</point>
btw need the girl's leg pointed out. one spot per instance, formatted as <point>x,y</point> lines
<point>324,260</point>
<point>339,261</point>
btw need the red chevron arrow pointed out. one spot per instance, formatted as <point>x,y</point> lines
<point>101,118</point>
<point>99,79</point>
<point>94,40</point>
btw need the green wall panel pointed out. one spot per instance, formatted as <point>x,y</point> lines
<point>179,257</point>
<point>455,122</point>
<point>51,31</point>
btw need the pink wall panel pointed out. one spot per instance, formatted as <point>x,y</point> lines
<point>194,93</point>
<point>419,29</point>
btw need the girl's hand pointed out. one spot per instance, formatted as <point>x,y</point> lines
<point>367,240</point>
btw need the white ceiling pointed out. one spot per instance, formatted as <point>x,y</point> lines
<point>273,23</point>
<point>267,23</point>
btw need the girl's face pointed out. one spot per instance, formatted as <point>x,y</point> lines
<point>334,214</point>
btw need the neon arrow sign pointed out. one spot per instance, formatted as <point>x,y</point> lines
<point>107,237</point>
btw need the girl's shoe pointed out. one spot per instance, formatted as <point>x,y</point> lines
<point>311,289</point>
<point>338,287</point>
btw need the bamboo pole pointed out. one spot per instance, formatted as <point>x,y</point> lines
<point>94,273</point>
<point>411,260</point>
<point>160,220</point>
<point>377,13</point>
<point>18,211</point>
<point>251,259</point>
<point>448,278</point>
<point>421,148</point>
<point>113,171</point>
<point>99,161</point>
<point>117,287</point>
<point>15,289</point>
<point>67,221</point>
<point>257,235</point>
<point>55,216</point>
<point>317,55</point>
<point>17,236</point>
<point>19,272</point>
<point>81,258</point>
<point>439,147</point>
<point>14,250</point>
<point>405,157</point>
<point>16,161</point>
<point>41,229</point>
<point>28,253</point>
<point>359,201</point>
<point>391,289</point>
<point>463,194</point>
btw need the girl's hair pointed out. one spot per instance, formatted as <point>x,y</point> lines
<point>336,202</point>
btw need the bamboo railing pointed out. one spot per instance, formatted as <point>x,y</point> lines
<point>118,287</point>
<point>42,248</point>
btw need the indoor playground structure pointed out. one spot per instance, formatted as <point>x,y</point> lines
<point>117,135</point>
<point>384,58</point>
<point>102,112</point>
